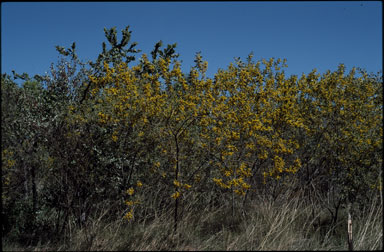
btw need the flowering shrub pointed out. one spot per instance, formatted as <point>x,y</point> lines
<point>149,134</point>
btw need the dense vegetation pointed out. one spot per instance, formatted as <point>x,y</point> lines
<point>109,142</point>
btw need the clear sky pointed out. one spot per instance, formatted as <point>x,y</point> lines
<point>309,35</point>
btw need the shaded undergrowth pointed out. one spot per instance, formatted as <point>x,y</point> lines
<point>283,224</point>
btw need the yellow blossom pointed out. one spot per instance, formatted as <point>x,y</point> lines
<point>175,195</point>
<point>130,191</point>
<point>129,215</point>
<point>176,183</point>
<point>129,203</point>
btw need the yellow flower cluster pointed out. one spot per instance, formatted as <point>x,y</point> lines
<point>131,203</point>
<point>178,185</point>
<point>175,195</point>
<point>243,117</point>
<point>130,191</point>
<point>240,187</point>
<point>129,215</point>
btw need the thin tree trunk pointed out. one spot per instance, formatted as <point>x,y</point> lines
<point>176,177</point>
<point>34,190</point>
<point>26,189</point>
<point>350,239</point>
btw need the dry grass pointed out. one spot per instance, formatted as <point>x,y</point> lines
<point>282,225</point>
<point>369,229</point>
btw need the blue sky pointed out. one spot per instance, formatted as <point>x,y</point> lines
<point>308,34</point>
